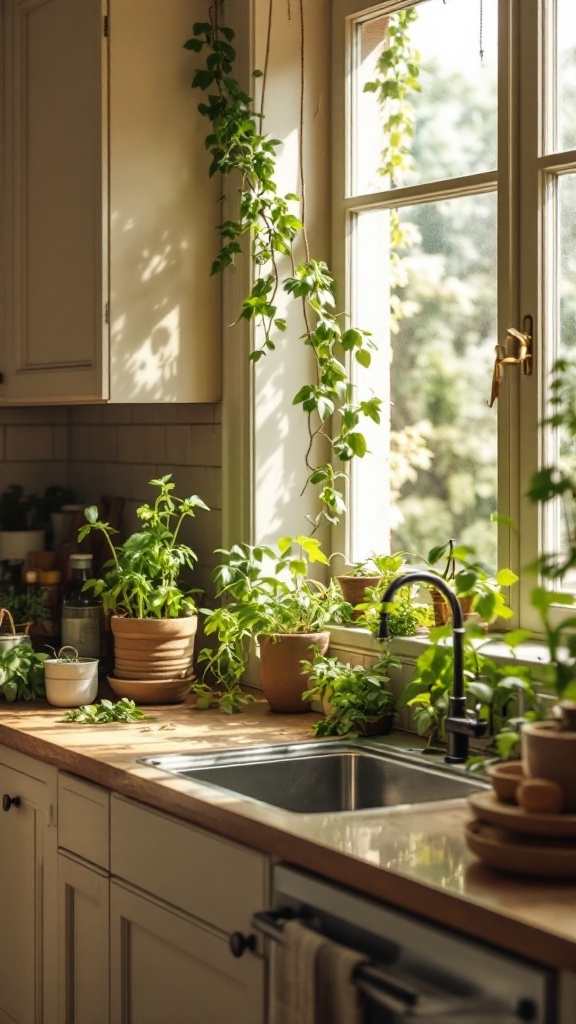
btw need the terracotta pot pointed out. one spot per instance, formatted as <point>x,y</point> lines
<point>550,753</point>
<point>354,589</point>
<point>157,651</point>
<point>281,675</point>
<point>442,611</point>
<point>152,691</point>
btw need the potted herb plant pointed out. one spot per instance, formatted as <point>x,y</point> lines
<point>70,681</point>
<point>364,576</point>
<point>480,592</point>
<point>269,596</point>
<point>153,614</point>
<point>21,669</point>
<point>355,699</point>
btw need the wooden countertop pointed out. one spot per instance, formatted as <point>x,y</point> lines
<point>415,859</point>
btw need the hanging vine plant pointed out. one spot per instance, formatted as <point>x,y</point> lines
<point>267,220</point>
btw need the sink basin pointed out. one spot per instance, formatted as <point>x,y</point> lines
<point>315,778</point>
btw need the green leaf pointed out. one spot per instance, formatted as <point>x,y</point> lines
<point>506,577</point>
<point>363,357</point>
<point>358,444</point>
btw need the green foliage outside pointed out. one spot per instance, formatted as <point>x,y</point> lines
<point>443,302</point>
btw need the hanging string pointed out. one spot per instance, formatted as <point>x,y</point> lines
<point>481,31</point>
<point>213,9</point>
<point>301,133</point>
<point>289,10</point>
<point>266,59</point>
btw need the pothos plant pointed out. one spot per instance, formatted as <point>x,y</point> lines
<point>239,148</point>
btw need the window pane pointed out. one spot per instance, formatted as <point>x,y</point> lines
<point>566,50</point>
<point>437,307</point>
<point>561,520</point>
<point>423,68</point>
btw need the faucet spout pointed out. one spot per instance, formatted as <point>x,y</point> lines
<point>458,725</point>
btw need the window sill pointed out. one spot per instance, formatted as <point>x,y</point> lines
<point>408,648</point>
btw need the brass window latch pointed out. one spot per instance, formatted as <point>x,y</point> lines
<point>516,351</point>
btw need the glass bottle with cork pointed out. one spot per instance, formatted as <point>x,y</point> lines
<point>81,610</point>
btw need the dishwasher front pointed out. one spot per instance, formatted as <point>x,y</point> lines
<point>415,971</point>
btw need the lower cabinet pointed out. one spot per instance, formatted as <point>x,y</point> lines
<point>166,966</point>
<point>83,942</point>
<point>146,905</point>
<point>114,913</point>
<point>28,859</point>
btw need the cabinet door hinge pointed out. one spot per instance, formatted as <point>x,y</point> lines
<point>105,24</point>
<point>106,312</point>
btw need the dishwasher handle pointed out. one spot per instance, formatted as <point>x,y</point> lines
<point>406,1000</point>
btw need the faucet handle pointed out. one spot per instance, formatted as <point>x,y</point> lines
<point>469,726</point>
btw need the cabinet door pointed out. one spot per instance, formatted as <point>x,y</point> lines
<point>166,966</point>
<point>27,887</point>
<point>55,331</point>
<point>83,943</point>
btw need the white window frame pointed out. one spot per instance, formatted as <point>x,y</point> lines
<point>526,255</point>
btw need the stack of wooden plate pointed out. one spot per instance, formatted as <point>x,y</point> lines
<point>510,838</point>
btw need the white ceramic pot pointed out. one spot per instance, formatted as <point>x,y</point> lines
<point>70,684</point>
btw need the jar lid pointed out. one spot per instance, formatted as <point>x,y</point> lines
<point>81,561</point>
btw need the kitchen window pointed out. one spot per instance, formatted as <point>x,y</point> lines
<point>455,219</point>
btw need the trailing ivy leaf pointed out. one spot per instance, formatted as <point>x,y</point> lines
<point>363,357</point>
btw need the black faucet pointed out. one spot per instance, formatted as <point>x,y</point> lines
<point>458,726</point>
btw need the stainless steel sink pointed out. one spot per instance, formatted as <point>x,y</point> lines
<point>315,778</point>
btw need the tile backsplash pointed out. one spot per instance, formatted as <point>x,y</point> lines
<point>117,449</point>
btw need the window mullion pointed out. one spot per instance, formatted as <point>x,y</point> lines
<point>532,200</point>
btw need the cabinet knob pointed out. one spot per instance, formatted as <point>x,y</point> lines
<point>239,943</point>
<point>10,801</point>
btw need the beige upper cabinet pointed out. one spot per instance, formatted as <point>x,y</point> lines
<point>108,210</point>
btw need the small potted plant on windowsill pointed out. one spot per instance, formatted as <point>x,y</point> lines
<point>363,577</point>
<point>479,592</point>
<point>355,699</point>
<point>153,615</point>
<point>270,598</point>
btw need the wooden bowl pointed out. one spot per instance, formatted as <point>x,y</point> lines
<point>506,776</point>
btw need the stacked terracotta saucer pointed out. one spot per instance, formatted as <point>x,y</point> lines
<point>520,826</point>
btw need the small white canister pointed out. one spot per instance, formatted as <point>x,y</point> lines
<point>70,681</point>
